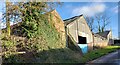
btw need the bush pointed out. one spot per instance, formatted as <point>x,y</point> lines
<point>8,45</point>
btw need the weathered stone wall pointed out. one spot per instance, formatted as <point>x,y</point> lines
<point>100,41</point>
<point>57,22</point>
<point>97,39</point>
<point>101,44</point>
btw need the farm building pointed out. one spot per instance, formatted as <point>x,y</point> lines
<point>103,39</point>
<point>78,31</point>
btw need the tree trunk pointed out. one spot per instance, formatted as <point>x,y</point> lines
<point>7,18</point>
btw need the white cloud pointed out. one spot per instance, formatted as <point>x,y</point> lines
<point>115,9</point>
<point>90,10</point>
<point>97,0</point>
<point>0,15</point>
<point>3,24</point>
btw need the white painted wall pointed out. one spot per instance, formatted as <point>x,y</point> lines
<point>80,27</point>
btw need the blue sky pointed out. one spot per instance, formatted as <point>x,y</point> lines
<point>1,8</point>
<point>70,9</point>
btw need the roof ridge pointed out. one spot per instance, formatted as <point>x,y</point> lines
<point>104,33</point>
<point>73,17</point>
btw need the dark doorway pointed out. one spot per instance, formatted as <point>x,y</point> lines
<point>82,40</point>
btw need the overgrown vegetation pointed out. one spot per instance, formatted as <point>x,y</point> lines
<point>33,35</point>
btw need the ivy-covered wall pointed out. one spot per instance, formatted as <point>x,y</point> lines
<point>56,21</point>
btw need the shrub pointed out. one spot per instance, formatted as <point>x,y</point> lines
<point>8,45</point>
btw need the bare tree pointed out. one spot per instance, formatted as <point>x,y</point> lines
<point>102,22</point>
<point>90,22</point>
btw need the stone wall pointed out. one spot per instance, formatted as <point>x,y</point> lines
<point>100,41</point>
<point>55,19</point>
<point>101,44</point>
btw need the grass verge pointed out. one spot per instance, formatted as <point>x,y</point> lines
<point>98,53</point>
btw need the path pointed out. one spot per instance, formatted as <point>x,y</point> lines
<point>110,59</point>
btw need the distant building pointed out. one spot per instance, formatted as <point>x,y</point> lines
<point>103,39</point>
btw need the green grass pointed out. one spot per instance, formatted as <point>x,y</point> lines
<point>62,55</point>
<point>98,53</point>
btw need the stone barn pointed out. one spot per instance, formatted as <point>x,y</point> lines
<point>103,39</point>
<point>78,31</point>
